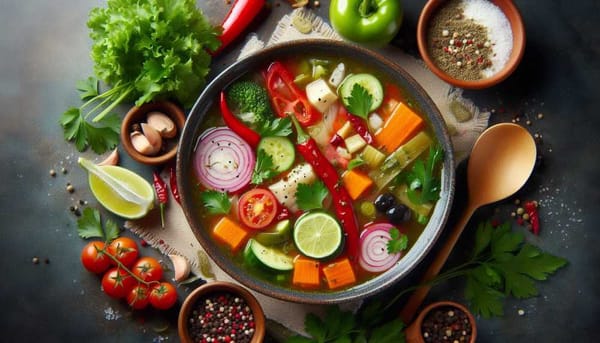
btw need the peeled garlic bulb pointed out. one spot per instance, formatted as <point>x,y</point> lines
<point>162,123</point>
<point>153,137</point>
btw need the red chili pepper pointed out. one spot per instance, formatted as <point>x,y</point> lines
<point>534,217</point>
<point>307,147</point>
<point>161,193</point>
<point>250,136</point>
<point>287,98</point>
<point>240,15</point>
<point>358,124</point>
<point>336,140</point>
<point>173,185</point>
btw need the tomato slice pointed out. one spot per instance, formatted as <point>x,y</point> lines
<point>286,97</point>
<point>257,208</point>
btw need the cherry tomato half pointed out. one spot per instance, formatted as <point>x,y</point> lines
<point>257,208</point>
<point>94,259</point>
<point>124,249</point>
<point>117,283</point>
<point>148,269</point>
<point>163,296</point>
<point>138,297</point>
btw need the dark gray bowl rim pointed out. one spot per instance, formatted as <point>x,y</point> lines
<point>261,59</point>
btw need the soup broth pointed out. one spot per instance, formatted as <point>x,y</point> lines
<point>315,173</point>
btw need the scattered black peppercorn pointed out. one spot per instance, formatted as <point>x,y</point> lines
<point>446,324</point>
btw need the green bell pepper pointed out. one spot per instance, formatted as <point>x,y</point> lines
<point>373,22</point>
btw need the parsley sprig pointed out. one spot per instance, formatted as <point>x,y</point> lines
<point>311,196</point>
<point>398,241</point>
<point>264,168</point>
<point>359,101</point>
<point>89,225</point>
<point>215,202</point>
<point>423,181</point>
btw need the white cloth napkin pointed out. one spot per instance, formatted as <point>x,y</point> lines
<point>177,237</point>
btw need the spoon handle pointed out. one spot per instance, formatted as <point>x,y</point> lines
<point>416,299</point>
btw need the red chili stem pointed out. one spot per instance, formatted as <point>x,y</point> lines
<point>240,15</point>
<point>161,193</point>
<point>173,185</point>
<point>360,127</point>
<point>308,148</point>
<point>250,136</point>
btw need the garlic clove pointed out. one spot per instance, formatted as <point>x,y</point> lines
<point>141,144</point>
<point>162,123</point>
<point>153,137</point>
<point>111,160</point>
<point>181,266</point>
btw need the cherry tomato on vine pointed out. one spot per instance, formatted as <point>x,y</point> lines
<point>94,259</point>
<point>137,298</point>
<point>148,269</point>
<point>257,208</point>
<point>116,282</point>
<point>163,296</point>
<point>124,249</point>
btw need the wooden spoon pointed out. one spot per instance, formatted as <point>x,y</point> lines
<point>501,161</point>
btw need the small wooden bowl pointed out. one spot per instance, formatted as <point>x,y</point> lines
<point>220,287</point>
<point>138,115</point>
<point>518,31</point>
<point>414,334</point>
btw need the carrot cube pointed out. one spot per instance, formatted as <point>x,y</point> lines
<point>339,274</point>
<point>306,273</point>
<point>229,232</point>
<point>401,126</point>
<point>356,183</point>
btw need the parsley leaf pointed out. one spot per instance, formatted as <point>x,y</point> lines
<point>398,241</point>
<point>264,167</point>
<point>423,185</point>
<point>311,196</point>
<point>277,127</point>
<point>89,225</point>
<point>216,202</point>
<point>88,88</point>
<point>359,101</point>
<point>101,136</point>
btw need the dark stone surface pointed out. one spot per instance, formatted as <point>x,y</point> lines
<point>44,50</point>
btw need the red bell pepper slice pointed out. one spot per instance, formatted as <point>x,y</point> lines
<point>250,136</point>
<point>287,98</point>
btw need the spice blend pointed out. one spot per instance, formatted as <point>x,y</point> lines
<point>446,324</point>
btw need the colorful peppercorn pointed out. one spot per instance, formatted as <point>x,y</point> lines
<point>446,324</point>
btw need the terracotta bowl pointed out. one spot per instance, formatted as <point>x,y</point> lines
<point>516,23</point>
<point>137,115</point>
<point>194,127</point>
<point>200,294</point>
<point>414,333</point>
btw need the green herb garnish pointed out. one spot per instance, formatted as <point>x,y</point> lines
<point>355,162</point>
<point>398,241</point>
<point>89,225</point>
<point>281,127</point>
<point>311,196</point>
<point>359,101</point>
<point>423,183</point>
<point>215,202</point>
<point>264,168</point>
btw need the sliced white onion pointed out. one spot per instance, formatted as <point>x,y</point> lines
<point>223,160</point>
<point>374,256</point>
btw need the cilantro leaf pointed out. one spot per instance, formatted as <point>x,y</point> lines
<point>88,88</point>
<point>483,299</point>
<point>360,101</point>
<point>390,332</point>
<point>101,137</point>
<point>264,167</point>
<point>215,202</point>
<point>315,327</point>
<point>311,196</point>
<point>355,162</point>
<point>423,180</point>
<point>277,127</point>
<point>398,241</point>
<point>89,225</point>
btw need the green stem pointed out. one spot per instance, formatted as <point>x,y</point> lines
<point>122,97</point>
<point>366,8</point>
<point>122,266</point>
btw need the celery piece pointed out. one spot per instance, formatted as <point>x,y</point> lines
<point>423,210</point>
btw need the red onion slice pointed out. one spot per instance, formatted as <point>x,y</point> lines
<point>374,256</point>
<point>223,160</point>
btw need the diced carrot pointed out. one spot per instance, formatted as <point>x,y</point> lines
<point>401,126</point>
<point>356,183</point>
<point>339,274</point>
<point>229,232</point>
<point>306,273</point>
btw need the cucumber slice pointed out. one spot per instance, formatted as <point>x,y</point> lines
<point>281,234</point>
<point>281,150</point>
<point>369,82</point>
<point>268,257</point>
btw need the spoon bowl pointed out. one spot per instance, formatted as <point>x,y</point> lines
<point>501,162</point>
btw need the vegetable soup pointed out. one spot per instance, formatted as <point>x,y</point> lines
<point>315,173</point>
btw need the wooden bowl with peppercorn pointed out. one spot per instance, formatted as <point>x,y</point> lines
<point>150,133</point>
<point>472,44</point>
<point>443,321</point>
<point>222,311</point>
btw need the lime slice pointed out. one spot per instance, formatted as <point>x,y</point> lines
<point>318,235</point>
<point>279,235</point>
<point>269,257</point>
<point>119,190</point>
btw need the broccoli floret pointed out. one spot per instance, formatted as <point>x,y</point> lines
<point>250,100</point>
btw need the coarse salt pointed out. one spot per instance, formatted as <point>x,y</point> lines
<point>500,35</point>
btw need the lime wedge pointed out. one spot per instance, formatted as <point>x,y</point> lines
<point>318,235</point>
<point>280,234</point>
<point>119,190</point>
